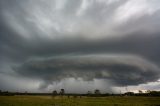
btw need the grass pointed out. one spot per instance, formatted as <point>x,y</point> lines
<point>84,101</point>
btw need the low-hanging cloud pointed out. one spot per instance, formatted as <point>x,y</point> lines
<point>122,70</point>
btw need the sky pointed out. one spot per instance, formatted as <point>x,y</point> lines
<point>79,45</point>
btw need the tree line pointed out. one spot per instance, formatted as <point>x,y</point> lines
<point>95,93</point>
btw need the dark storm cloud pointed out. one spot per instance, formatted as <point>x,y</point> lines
<point>121,70</point>
<point>98,39</point>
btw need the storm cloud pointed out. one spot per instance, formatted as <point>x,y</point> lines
<point>122,70</point>
<point>49,41</point>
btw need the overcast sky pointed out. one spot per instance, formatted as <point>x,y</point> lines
<point>79,45</point>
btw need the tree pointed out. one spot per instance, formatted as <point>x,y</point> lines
<point>54,92</point>
<point>89,92</point>
<point>155,93</point>
<point>97,92</point>
<point>148,91</point>
<point>62,92</point>
<point>129,93</point>
<point>140,91</point>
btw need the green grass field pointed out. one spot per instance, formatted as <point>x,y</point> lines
<point>84,101</point>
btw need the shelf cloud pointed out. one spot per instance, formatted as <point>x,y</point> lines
<point>122,70</point>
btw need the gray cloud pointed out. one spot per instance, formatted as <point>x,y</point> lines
<point>122,70</point>
<point>52,40</point>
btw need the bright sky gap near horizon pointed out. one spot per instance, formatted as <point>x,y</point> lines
<point>79,45</point>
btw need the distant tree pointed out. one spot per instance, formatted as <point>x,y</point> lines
<point>62,92</point>
<point>129,93</point>
<point>54,93</point>
<point>155,93</point>
<point>148,91</point>
<point>140,91</point>
<point>89,92</point>
<point>97,92</point>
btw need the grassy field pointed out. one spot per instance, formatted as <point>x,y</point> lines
<point>84,101</point>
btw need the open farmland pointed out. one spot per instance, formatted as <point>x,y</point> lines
<point>83,101</point>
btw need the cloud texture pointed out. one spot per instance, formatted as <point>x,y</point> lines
<point>48,41</point>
